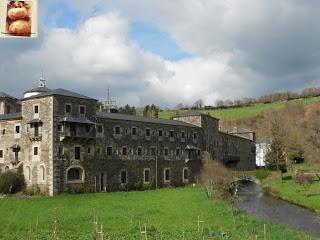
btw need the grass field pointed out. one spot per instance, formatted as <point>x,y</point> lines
<point>241,112</point>
<point>167,213</point>
<point>288,190</point>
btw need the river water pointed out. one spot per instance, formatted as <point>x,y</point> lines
<point>251,199</point>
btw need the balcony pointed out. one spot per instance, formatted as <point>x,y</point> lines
<point>77,128</point>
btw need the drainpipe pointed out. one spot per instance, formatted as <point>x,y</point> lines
<point>156,167</point>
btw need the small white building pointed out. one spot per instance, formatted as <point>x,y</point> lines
<point>261,151</point>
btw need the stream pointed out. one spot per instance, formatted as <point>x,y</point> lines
<point>251,199</point>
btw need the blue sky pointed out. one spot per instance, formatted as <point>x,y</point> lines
<point>145,34</point>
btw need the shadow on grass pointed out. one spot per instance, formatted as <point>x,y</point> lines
<point>287,178</point>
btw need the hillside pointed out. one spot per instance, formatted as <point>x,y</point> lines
<point>241,112</point>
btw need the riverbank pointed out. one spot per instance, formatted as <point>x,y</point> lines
<point>287,190</point>
<point>166,214</point>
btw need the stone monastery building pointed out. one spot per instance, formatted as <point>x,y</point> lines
<point>59,140</point>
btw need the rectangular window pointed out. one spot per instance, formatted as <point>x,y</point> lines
<point>36,109</point>
<point>89,150</point>
<point>117,130</point>
<point>98,151</point>
<point>195,136</point>
<point>146,175</point>
<point>185,174</point>
<point>3,131</point>
<point>82,110</point>
<point>134,131</point>
<point>199,152</point>
<point>166,151</point>
<point>123,176</point>
<point>167,175</point>
<point>139,151</point>
<point>148,132</point>
<point>182,134</point>
<point>36,130</point>
<point>171,134</point>
<point>1,153</point>
<point>124,151</point>
<point>8,110</point>
<point>17,130</point>
<point>68,108</point>
<point>109,151</point>
<point>153,151</point>
<point>160,133</point>
<point>77,153</point>
<point>100,128</point>
<point>60,150</point>
<point>35,151</point>
<point>178,152</point>
<point>59,128</point>
<point>88,128</point>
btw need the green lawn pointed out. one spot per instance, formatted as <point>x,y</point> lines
<point>167,212</point>
<point>294,193</point>
<point>241,112</point>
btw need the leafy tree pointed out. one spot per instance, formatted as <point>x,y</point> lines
<point>275,157</point>
<point>127,109</point>
<point>198,104</point>
<point>151,111</point>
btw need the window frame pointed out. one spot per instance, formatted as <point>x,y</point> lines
<point>144,176</point>
<point>65,108</point>
<point>165,180</point>
<point>75,153</point>
<point>84,110</point>
<point>120,176</point>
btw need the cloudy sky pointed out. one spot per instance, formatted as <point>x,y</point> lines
<point>168,51</point>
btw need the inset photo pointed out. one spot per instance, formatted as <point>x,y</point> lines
<point>19,18</point>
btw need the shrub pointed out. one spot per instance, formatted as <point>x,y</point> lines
<point>261,174</point>
<point>11,182</point>
<point>303,180</point>
<point>74,188</point>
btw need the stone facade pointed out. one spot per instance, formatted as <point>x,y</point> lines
<point>60,142</point>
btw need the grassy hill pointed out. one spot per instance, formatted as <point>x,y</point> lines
<point>241,112</point>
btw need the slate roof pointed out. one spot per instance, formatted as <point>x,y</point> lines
<point>38,89</point>
<point>5,95</point>
<point>124,117</point>
<point>11,116</point>
<point>240,131</point>
<point>194,113</point>
<point>60,92</point>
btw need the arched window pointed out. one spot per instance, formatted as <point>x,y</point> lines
<point>6,168</point>
<point>27,174</point>
<point>41,174</point>
<point>75,174</point>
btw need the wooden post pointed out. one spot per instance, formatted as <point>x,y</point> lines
<point>265,231</point>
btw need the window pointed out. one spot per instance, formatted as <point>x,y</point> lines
<point>171,134</point>
<point>35,151</point>
<point>124,151</point>
<point>100,128</point>
<point>146,175</point>
<point>177,151</point>
<point>194,136</point>
<point>182,134</point>
<point>74,174</point>
<point>117,130</point>
<point>109,151</point>
<point>160,133</point>
<point>88,128</point>
<point>123,177</point>
<point>3,131</point>
<point>139,151</point>
<point>134,131</point>
<point>60,150</point>
<point>36,109</point>
<point>77,153</point>
<point>17,129</point>
<point>185,174</point>
<point>68,108</point>
<point>153,151</point>
<point>36,130</point>
<point>166,151</point>
<point>59,128</point>
<point>148,132</point>
<point>1,153</point>
<point>199,152</point>
<point>8,110</point>
<point>167,175</point>
<point>89,150</point>
<point>98,151</point>
<point>82,110</point>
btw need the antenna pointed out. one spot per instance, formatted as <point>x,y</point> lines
<point>109,103</point>
<point>42,81</point>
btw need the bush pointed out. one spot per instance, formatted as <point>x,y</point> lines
<point>11,182</point>
<point>261,174</point>
<point>303,180</point>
